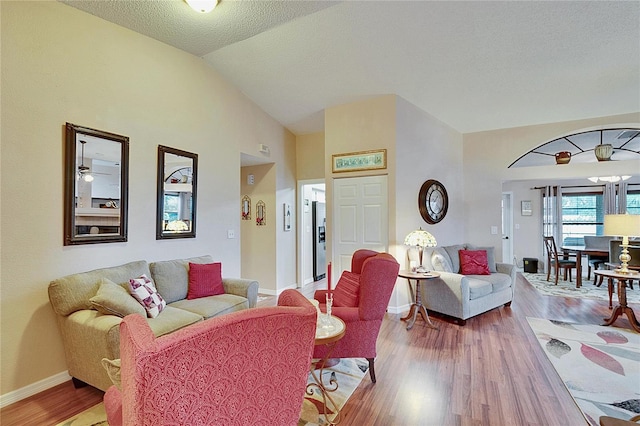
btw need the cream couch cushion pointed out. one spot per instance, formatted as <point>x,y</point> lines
<point>172,276</point>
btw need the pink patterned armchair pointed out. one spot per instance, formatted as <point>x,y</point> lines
<point>369,286</point>
<point>246,367</point>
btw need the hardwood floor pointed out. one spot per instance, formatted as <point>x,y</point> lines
<point>489,372</point>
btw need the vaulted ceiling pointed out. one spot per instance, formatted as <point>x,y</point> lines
<point>475,65</point>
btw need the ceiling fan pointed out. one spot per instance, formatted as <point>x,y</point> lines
<point>84,172</point>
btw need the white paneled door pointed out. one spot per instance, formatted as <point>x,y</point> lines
<point>360,219</point>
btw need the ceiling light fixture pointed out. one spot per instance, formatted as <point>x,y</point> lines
<point>612,179</point>
<point>202,6</point>
<point>83,171</point>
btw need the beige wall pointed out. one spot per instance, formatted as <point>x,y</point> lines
<point>310,156</point>
<point>487,156</point>
<point>258,257</point>
<point>360,126</point>
<point>63,65</point>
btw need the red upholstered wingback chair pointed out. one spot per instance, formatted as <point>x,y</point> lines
<point>378,274</point>
<point>244,368</point>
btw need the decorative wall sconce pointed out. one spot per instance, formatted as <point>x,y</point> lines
<point>261,213</point>
<point>246,208</point>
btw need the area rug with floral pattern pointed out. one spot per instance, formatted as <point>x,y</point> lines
<point>348,374</point>
<point>587,290</point>
<point>600,366</point>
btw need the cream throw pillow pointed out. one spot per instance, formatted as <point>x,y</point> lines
<point>113,299</point>
<point>440,261</point>
<point>113,370</point>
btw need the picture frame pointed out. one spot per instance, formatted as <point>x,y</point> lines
<point>357,161</point>
<point>286,211</point>
<point>525,208</point>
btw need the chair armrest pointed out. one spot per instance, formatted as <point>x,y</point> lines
<point>113,406</point>
<point>320,296</point>
<point>242,287</point>
<point>292,297</point>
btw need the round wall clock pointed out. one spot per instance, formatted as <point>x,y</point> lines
<point>433,201</point>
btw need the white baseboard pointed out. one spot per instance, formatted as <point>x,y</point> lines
<point>398,309</point>
<point>32,389</point>
<point>274,292</point>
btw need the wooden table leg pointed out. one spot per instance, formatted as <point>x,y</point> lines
<point>578,269</point>
<point>610,288</point>
<point>622,307</point>
<point>417,308</point>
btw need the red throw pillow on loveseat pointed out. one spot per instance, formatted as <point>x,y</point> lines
<point>474,262</point>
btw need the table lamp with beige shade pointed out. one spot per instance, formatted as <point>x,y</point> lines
<point>420,239</point>
<point>625,226</point>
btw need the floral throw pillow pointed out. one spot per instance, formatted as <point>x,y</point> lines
<point>144,290</point>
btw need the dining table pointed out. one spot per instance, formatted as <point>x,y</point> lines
<point>580,251</point>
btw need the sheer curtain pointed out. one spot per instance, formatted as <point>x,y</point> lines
<point>552,212</point>
<point>609,198</point>
<point>622,197</point>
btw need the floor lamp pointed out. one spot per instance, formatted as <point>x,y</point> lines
<point>624,225</point>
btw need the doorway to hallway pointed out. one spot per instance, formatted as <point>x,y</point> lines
<point>311,247</point>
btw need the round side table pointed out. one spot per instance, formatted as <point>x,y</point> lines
<point>417,306</point>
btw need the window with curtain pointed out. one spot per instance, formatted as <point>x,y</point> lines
<point>582,213</point>
<point>633,202</point>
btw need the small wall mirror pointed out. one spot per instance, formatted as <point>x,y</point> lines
<point>177,176</point>
<point>96,186</point>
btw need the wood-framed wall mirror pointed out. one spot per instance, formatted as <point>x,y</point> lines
<point>96,186</point>
<point>177,196</point>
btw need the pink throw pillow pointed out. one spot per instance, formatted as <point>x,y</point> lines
<point>474,262</point>
<point>347,290</point>
<point>205,280</point>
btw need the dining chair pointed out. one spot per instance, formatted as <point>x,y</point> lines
<point>556,261</point>
<point>595,261</point>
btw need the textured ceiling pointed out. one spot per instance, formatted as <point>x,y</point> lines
<point>473,65</point>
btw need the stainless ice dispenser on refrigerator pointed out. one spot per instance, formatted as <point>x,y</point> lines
<point>319,247</point>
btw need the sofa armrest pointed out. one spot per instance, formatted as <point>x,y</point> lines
<point>448,294</point>
<point>457,283</point>
<point>507,268</point>
<point>242,287</point>
<point>89,336</point>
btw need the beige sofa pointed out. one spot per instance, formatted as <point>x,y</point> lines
<point>464,296</point>
<point>89,335</point>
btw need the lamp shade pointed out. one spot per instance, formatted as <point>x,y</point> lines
<point>420,238</point>
<point>624,225</point>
